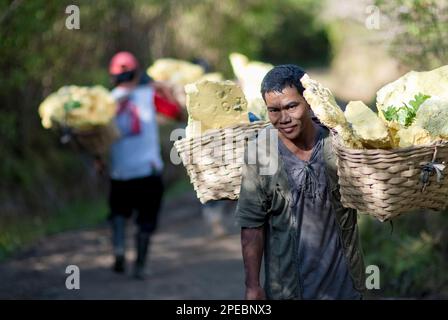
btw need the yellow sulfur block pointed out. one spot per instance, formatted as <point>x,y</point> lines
<point>324,106</point>
<point>175,71</point>
<point>433,116</point>
<point>370,129</point>
<point>413,136</point>
<point>403,90</point>
<point>214,105</point>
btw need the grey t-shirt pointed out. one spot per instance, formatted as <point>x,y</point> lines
<point>323,267</point>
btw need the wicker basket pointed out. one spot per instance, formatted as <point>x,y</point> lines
<point>97,140</point>
<point>387,183</point>
<point>214,160</point>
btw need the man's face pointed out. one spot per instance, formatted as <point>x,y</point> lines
<point>288,111</point>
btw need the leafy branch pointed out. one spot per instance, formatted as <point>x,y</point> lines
<point>405,115</point>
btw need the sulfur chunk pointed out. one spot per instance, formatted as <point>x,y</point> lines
<point>329,113</point>
<point>78,107</point>
<point>403,90</point>
<point>214,76</point>
<point>175,71</point>
<point>250,74</point>
<point>413,136</point>
<point>214,105</point>
<point>433,116</point>
<point>393,128</point>
<point>370,129</point>
<point>50,109</point>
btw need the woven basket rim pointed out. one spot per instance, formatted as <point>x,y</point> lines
<point>213,132</point>
<point>338,144</point>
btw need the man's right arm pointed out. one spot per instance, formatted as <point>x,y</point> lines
<point>252,243</point>
<point>251,216</point>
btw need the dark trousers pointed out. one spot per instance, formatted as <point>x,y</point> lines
<point>142,195</point>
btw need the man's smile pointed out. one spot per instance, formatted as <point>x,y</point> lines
<point>288,129</point>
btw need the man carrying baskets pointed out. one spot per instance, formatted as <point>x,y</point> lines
<point>135,159</point>
<point>294,216</point>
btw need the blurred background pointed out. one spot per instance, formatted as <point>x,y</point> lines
<point>53,204</point>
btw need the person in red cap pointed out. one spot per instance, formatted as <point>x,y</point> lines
<point>135,160</point>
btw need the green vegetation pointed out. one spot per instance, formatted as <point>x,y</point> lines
<point>19,232</point>
<point>405,114</point>
<point>411,254</point>
<point>419,31</point>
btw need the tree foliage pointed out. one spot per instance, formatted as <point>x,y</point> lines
<point>419,30</point>
<point>38,54</point>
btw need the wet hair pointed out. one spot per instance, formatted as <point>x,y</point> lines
<point>282,76</point>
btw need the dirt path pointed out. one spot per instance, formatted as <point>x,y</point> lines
<point>185,262</point>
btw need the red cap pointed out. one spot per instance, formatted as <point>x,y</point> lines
<point>122,62</point>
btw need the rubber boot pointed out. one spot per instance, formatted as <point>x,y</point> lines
<point>118,242</point>
<point>142,244</point>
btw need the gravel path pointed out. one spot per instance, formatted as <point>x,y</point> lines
<point>185,262</point>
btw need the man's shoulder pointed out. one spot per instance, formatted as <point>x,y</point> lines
<point>262,148</point>
<point>328,144</point>
<point>143,89</point>
<point>264,138</point>
<point>330,157</point>
<point>261,159</point>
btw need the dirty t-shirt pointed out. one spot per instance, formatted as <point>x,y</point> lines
<point>323,269</point>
